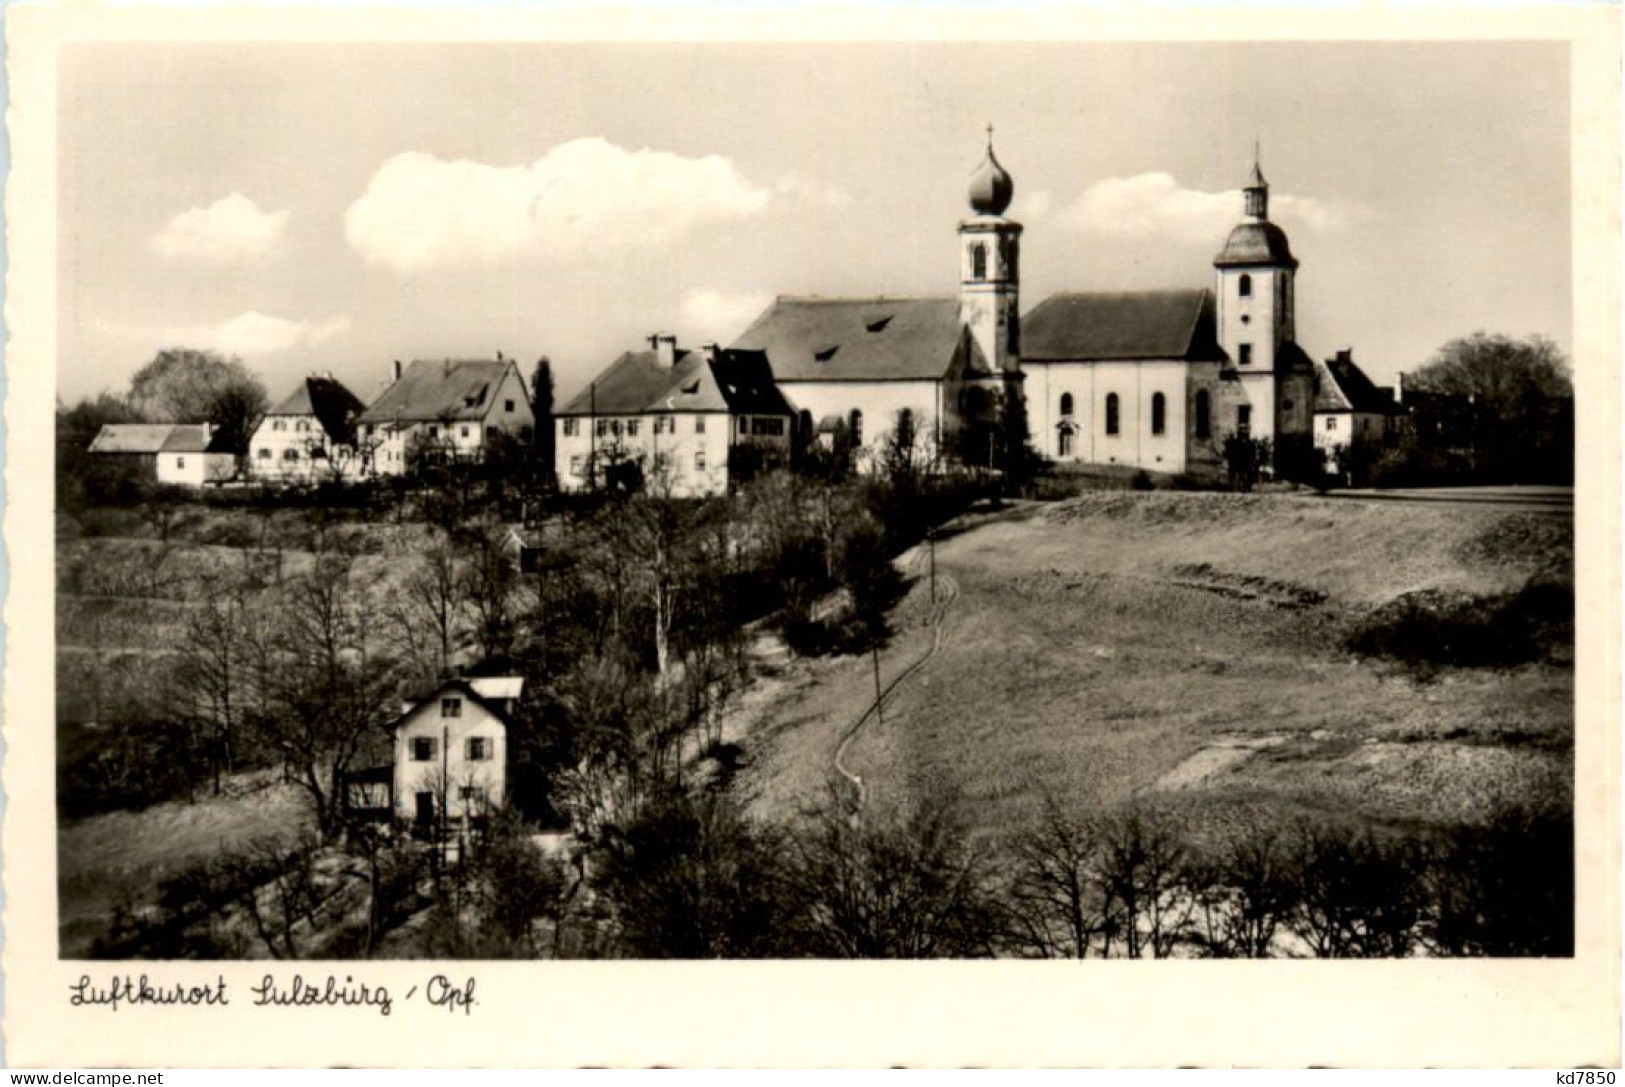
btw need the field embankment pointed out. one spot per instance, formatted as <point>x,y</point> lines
<point>1193,648</point>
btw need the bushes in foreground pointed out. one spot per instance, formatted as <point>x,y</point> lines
<point>1432,628</point>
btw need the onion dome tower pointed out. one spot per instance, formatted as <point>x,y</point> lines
<point>1255,272</point>
<point>989,266</point>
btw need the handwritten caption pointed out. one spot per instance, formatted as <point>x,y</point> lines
<point>124,991</point>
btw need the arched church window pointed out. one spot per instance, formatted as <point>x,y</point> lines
<point>1063,446</point>
<point>855,424</point>
<point>1111,413</point>
<point>978,261</point>
<point>1159,413</point>
<point>1204,414</point>
<point>1066,403</point>
<point>1244,285</point>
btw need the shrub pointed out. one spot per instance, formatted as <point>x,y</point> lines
<point>1505,887</point>
<point>1432,628</point>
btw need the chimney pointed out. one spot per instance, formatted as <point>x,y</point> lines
<point>665,345</point>
<point>1345,355</point>
<point>395,370</point>
<point>708,351</point>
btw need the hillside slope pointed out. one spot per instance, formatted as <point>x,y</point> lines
<point>1187,647</point>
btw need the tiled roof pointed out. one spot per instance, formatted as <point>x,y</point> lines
<point>1120,327</point>
<point>1340,385</point>
<point>739,382</point>
<point>335,407</point>
<point>434,389</point>
<point>187,438</point>
<point>856,339</point>
<point>626,387</point>
<point>151,438</point>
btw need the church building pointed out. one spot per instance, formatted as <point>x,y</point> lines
<point>1154,380</point>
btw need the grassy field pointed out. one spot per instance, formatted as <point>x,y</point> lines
<point>1187,647</point>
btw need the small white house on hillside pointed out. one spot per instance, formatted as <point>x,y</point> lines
<point>451,750</point>
<point>183,454</point>
<point>309,436</point>
<point>447,408</point>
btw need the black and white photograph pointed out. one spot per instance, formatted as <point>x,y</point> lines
<point>816,501</point>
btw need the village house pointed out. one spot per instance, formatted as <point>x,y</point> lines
<point>451,750</point>
<point>310,436</point>
<point>448,409</point>
<point>688,422</point>
<point>181,454</point>
<point>1349,409</point>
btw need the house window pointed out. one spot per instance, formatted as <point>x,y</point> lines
<point>1159,413</point>
<point>665,424</point>
<point>472,794</point>
<point>615,427</point>
<point>1111,413</point>
<point>744,425</point>
<point>1365,424</point>
<point>978,261</point>
<point>603,427</point>
<point>855,423</point>
<point>265,454</point>
<point>633,426</point>
<point>1066,403</point>
<point>699,424</point>
<point>180,462</point>
<point>1246,354</point>
<point>1244,419</point>
<point>279,424</point>
<point>462,432</point>
<point>1063,445</point>
<point>478,749</point>
<point>1204,414</point>
<point>422,748</point>
<point>1331,422</point>
<point>434,432</point>
<point>699,461</point>
<point>302,426</point>
<point>575,465</point>
<point>1244,286</point>
<point>572,427</point>
<point>451,707</point>
<point>507,405</point>
<point>770,426</point>
<point>290,454</point>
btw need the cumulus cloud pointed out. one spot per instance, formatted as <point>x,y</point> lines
<point>799,187</point>
<point>421,212</point>
<point>720,316</point>
<point>231,228</point>
<point>248,334</point>
<point>1155,205</point>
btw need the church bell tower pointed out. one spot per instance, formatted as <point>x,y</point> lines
<point>989,267</point>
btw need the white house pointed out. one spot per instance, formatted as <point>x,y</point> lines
<point>684,418</point>
<point>1349,408</point>
<point>449,408</point>
<point>309,436</point>
<point>451,750</point>
<point>183,454</point>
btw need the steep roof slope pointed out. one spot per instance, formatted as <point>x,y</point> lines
<point>131,437</point>
<point>626,386</point>
<point>1120,326</point>
<point>1340,385</point>
<point>335,407</point>
<point>432,389</point>
<point>856,339</point>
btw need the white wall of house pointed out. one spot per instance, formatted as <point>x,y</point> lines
<point>879,401</point>
<point>1335,430</point>
<point>1136,442</point>
<point>686,452</point>
<point>295,449</point>
<point>195,469</point>
<point>438,743</point>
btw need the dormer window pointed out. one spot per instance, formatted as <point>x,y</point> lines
<point>826,354</point>
<point>878,324</point>
<point>692,387</point>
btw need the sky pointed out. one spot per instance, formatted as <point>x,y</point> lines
<point>334,207</point>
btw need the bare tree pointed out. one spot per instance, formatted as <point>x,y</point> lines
<point>1057,906</point>
<point>1142,872</point>
<point>212,681</point>
<point>331,690</point>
